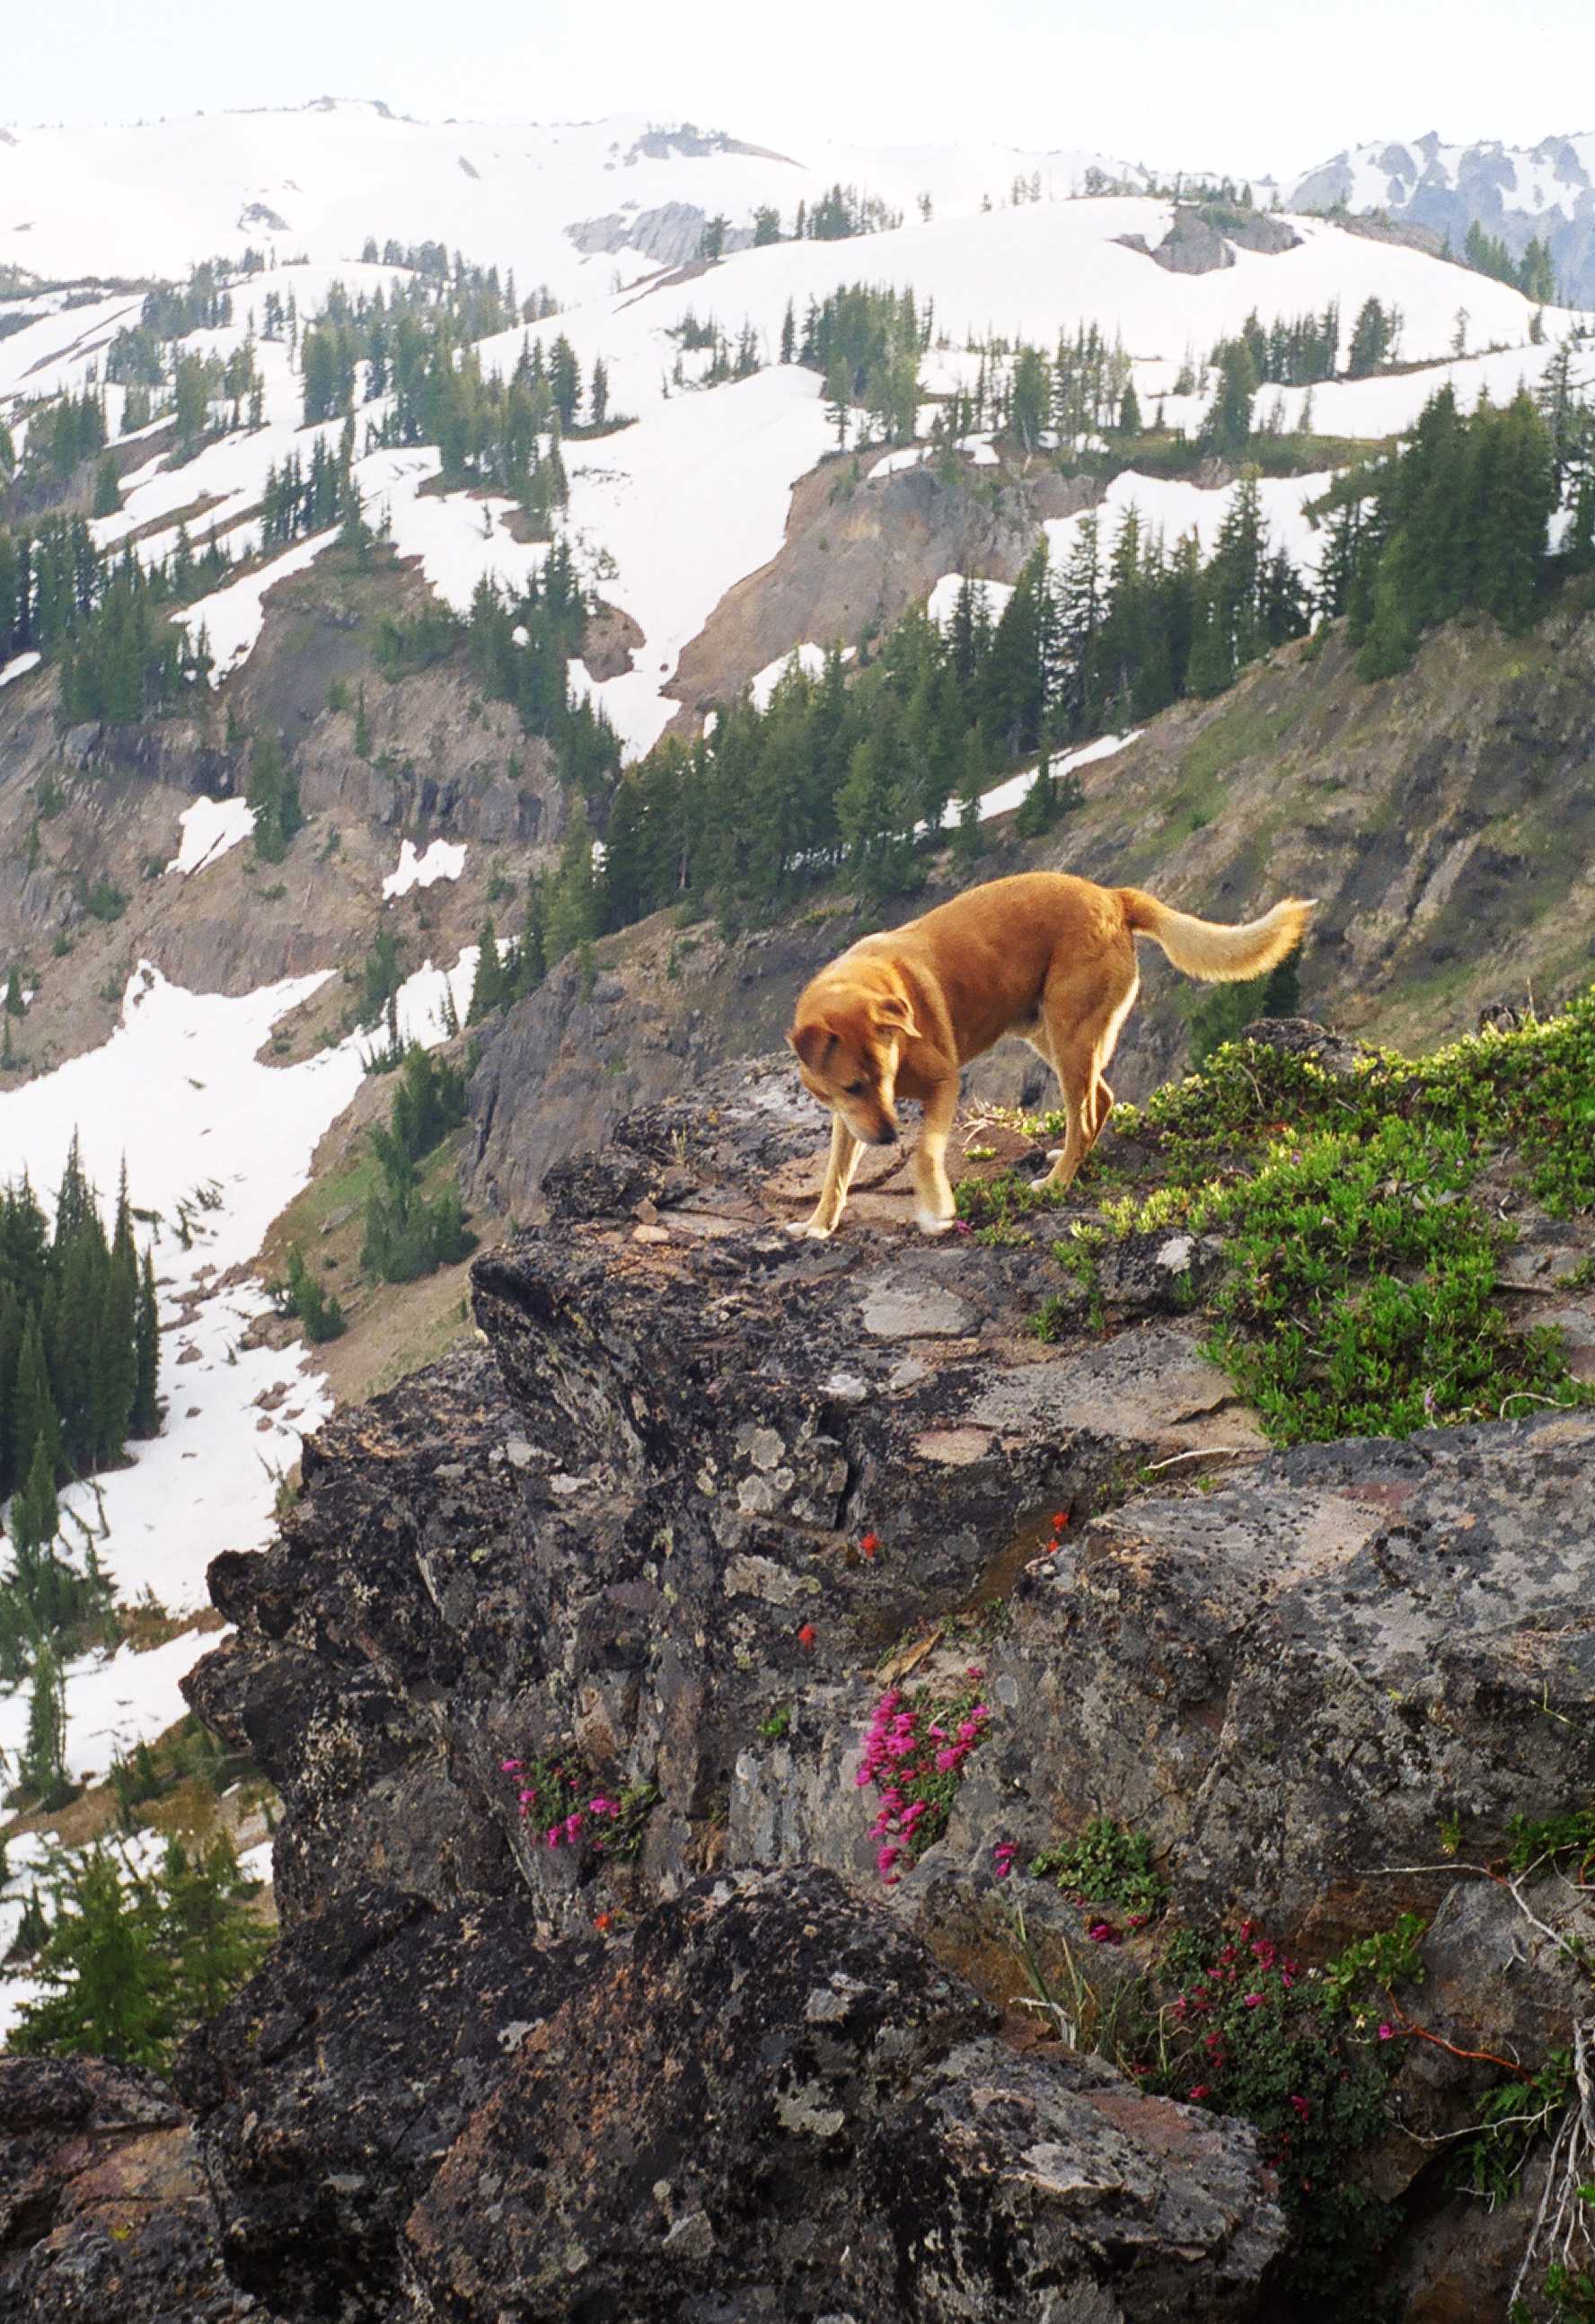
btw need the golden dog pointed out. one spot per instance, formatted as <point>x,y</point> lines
<point>1044,955</point>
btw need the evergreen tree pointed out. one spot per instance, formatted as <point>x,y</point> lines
<point>109,1988</point>
<point>35,1513</point>
<point>107,493</point>
<point>34,1418</point>
<point>572,915</point>
<point>564,381</point>
<point>273,794</point>
<point>212,1940</point>
<point>1029,398</point>
<point>145,1420</point>
<point>968,839</point>
<point>1227,427</point>
<point>43,1765</point>
<point>1038,809</point>
<point>487,989</point>
<point>1130,412</point>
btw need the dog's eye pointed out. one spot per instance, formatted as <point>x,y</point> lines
<point>853,1089</point>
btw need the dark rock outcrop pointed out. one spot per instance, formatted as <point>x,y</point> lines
<point>661,1545</point>
<point>776,2106</point>
<point>328,2089</point>
<point>104,2209</point>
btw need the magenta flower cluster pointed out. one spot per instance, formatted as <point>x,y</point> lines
<point>915,1749</point>
<point>545,1789</point>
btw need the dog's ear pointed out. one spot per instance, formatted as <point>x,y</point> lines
<point>812,1043</point>
<point>894,1015</point>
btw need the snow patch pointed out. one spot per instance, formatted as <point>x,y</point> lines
<point>944,598</point>
<point>1011,793</point>
<point>19,667</point>
<point>443,860</point>
<point>209,828</point>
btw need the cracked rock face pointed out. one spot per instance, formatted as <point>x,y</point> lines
<point>778,2098</point>
<point>104,2209</point>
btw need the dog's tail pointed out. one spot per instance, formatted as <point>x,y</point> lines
<point>1218,955</point>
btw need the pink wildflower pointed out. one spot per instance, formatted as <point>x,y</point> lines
<point>1387,2033</point>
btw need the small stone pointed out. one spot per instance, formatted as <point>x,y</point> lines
<point>907,1312</point>
<point>692,2237</point>
<point>847,1386</point>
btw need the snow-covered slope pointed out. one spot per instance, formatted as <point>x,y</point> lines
<point>1516,192</point>
<point>317,182</point>
<point>670,513</point>
<point>215,1144</point>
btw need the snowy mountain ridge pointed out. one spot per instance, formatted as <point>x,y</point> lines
<point>1518,193</point>
<point>155,197</point>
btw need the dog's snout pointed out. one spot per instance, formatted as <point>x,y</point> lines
<point>888,1135</point>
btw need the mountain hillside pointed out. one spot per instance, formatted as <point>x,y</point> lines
<point>354,576</point>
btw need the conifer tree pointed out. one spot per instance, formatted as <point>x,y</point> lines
<point>572,916</point>
<point>564,381</point>
<point>34,1418</point>
<point>273,794</point>
<point>487,989</point>
<point>213,1941</point>
<point>44,1765</point>
<point>1227,424</point>
<point>968,839</point>
<point>35,1512</point>
<point>108,1987</point>
<point>1038,809</point>
<point>107,494</point>
<point>145,1420</point>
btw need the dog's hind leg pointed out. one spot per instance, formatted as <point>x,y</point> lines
<point>840,1165</point>
<point>934,1207</point>
<point>1102,1104</point>
<point>1082,1030</point>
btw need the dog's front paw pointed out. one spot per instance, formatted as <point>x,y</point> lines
<point>809,1230</point>
<point>929,1223</point>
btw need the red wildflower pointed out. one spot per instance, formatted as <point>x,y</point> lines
<point>869,1543</point>
<point>807,1637</point>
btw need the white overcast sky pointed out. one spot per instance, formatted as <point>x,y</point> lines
<point>1251,85</point>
